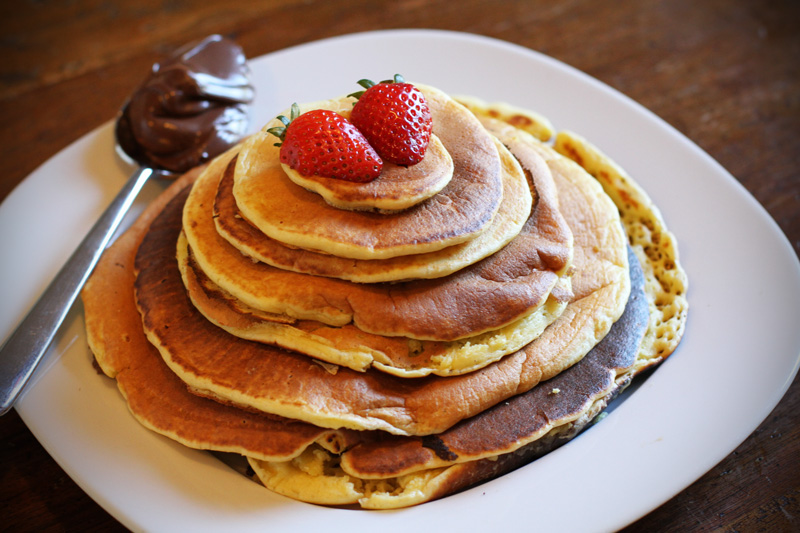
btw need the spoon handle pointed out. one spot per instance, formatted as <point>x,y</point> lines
<point>26,346</point>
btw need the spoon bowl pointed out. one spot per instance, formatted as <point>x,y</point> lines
<point>128,150</point>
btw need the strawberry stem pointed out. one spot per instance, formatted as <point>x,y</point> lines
<point>366,84</point>
<point>280,131</point>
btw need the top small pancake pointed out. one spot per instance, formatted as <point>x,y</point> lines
<point>284,211</point>
<point>397,187</point>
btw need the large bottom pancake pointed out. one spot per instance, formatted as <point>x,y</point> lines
<point>654,245</point>
<point>115,333</point>
<point>294,459</point>
<point>232,370</point>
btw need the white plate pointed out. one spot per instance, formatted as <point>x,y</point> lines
<point>731,370</point>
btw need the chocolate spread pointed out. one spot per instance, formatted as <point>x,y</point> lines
<point>191,108</point>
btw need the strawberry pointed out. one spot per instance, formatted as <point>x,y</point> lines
<point>395,119</point>
<point>324,143</point>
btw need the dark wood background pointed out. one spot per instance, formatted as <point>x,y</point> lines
<point>724,73</point>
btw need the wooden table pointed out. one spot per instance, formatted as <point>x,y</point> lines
<point>725,73</point>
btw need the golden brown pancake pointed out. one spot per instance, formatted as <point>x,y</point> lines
<point>512,283</point>
<point>214,363</point>
<point>654,245</point>
<point>652,242</point>
<point>523,418</point>
<point>380,471</point>
<point>116,333</point>
<point>162,403</point>
<point>155,396</point>
<point>514,211</point>
<point>350,347</point>
<point>396,188</point>
<point>294,216</point>
<point>524,120</point>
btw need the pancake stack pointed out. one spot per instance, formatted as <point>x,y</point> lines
<point>390,343</point>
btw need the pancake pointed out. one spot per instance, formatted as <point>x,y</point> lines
<point>396,188</point>
<point>350,347</point>
<point>655,246</point>
<point>507,223</point>
<point>232,370</point>
<point>296,217</point>
<point>155,396</point>
<point>297,450</point>
<point>370,468</point>
<point>513,282</point>
<point>381,472</point>
<point>523,418</point>
<point>652,242</point>
<point>524,120</point>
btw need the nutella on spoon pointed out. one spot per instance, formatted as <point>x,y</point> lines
<point>192,107</point>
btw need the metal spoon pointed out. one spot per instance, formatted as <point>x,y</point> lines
<point>24,349</point>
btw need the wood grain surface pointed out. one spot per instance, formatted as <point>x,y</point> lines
<point>724,73</point>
